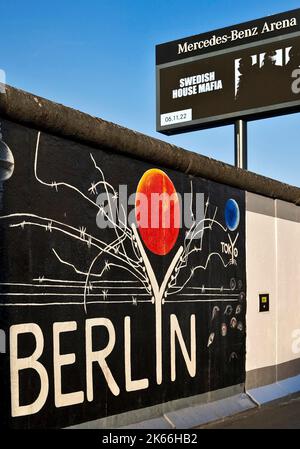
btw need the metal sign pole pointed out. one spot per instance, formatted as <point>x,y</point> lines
<point>240,144</point>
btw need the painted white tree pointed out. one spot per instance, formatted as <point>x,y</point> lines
<point>126,251</point>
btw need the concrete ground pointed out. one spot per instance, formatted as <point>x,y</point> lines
<point>283,414</point>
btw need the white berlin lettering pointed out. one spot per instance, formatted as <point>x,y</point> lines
<point>95,358</point>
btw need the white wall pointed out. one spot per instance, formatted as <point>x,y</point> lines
<point>288,263</point>
<point>273,266</point>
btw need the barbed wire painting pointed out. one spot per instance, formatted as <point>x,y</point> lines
<point>163,307</point>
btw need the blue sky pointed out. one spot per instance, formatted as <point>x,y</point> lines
<point>99,56</point>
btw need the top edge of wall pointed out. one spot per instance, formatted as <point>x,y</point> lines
<point>42,114</point>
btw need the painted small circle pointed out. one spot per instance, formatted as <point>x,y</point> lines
<point>232,214</point>
<point>242,296</point>
<point>233,323</point>
<point>232,284</point>
<point>6,162</point>
<point>224,329</point>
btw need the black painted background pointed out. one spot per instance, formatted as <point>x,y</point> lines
<point>26,254</point>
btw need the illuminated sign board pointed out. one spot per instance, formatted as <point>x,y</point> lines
<point>247,71</point>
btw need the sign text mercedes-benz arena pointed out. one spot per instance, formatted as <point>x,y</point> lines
<point>249,71</point>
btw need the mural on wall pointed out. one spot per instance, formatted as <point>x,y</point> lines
<point>101,311</point>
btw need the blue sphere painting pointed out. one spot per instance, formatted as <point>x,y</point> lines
<point>232,214</point>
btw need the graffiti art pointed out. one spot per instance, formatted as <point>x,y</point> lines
<point>110,302</point>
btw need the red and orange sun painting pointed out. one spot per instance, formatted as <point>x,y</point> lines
<point>157,211</point>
